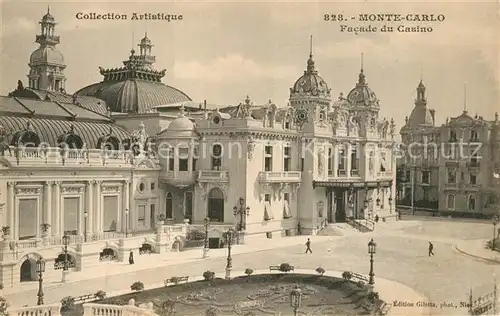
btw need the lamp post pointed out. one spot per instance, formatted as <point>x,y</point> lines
<point>296,299</point>
<point>371,250</point>
<point>85,216</point>
<point>206,245</point>
<point>40,269</point>
<point>228,236</point>
<point>126,222</point>
<point>243,211</point>
<point>494,221</point>
<point>65,271</point>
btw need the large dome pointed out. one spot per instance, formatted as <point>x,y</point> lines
<point>134,95</point>
<point>361,94</point>
<point>47,54</point>
<point>310,83</point>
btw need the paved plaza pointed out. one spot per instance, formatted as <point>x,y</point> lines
<point>401,257</point>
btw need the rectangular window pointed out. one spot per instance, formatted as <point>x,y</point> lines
<point>354,159</point>
<point>188,207</point>
<point>330,161</point>
<point>194,164</point>
<point>71,210</point>
<point>171,162</point>
<point>110,207</point>
<point>268,158</point>
<point>141,212</point>
<point>287,125</point>
<point>216,157</point>
<point>183,159</point>
<point>153,186</point>
<point>27,218</point>
<point>383,158</point>
<point>452,176</point>
<point>473,136</point>
<point>342,157</point>
<point>287,157</point>
<point>425,177</point>
<point>472,179</point>
<point>453,137</point>
<point>269,235</point>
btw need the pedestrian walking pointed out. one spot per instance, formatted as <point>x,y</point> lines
<point>376,218</point>
<point>131,258</point>
<point>431,248</point>
<point>308,245</point>
<point>299,231</point>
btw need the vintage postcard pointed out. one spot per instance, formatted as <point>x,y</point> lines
<point>249,158</point>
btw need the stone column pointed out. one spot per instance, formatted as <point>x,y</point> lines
<point>335,160</point>
<point>90,207</point>
<point>48,206</point>
<point>57,210</point>
<point>348,158</point>
<point>126,206</point>
<point>98,210</point>
<point>11,206</point>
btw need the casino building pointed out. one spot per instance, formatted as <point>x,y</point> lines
<point>133,164</point>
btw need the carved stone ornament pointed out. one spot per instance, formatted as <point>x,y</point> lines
<point>250,148</point>
<point>107,188</point>
<point>301,116</point>
<point>72,189</point>
<point>30,191</point>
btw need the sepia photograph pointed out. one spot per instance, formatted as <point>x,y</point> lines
<point>249,158</point>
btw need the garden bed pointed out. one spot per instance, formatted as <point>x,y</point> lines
<point>265,294</point>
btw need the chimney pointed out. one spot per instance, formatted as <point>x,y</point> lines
<point>433,115</point>
<point>205,114</point>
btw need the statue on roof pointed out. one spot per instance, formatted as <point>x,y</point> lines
<point>393,128</point>
<point>20,85</point>
<point>243,109</point>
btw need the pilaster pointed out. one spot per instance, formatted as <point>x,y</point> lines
<point>47,219</point>
<point>90,207</point>
<point>11,208</point>
<point>98,210</point>
<point>57,209</point>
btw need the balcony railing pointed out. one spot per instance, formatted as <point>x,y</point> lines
<point>40,310</point>
<point>213,176</point>
<point>178,178</point>
<point>280,176</point>
<point>91,309</point>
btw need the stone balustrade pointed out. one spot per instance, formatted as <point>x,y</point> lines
<point>91,309</point>
<point>280,176</point>
<point>40,310</point>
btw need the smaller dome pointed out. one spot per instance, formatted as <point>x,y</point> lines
<point>48,18</point>
<point>361,94</point>
<point>420,116</point>
<point>310,83</point>
<point>181,124</point>
<point>145,40</point>
<point>47,54</point>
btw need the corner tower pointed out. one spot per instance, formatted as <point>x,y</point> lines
<point>47,63</point>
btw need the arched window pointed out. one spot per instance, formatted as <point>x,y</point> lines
<point>472,203</point>
<point>27,137</point>
<point>70,140</point>
<point>216,157</point>
<point>216,205</point>
<point>169,211</point>
<point>451,202</point>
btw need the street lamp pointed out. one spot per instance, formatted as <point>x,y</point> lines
<point>40,269</point>
<point>228,236</point>
<point>296,299</point>
<point>206,245</point>
<point>85,216</point>
<point>65,271</point>
<point>126,222</point>
<point>371,250</point>
<point>243,211</point>
<point>494,221</point>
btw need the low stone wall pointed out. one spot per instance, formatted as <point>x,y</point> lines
<point>40,310</point>
<point>91,309</point>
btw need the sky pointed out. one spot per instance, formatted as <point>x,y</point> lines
<point>223,51</point>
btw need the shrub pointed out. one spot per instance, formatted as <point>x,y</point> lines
<point>100,294</point>
<point>3,307</point>
<point>167,308</point>
<point>347,275</point>
<point>208,275</point>
<point>67,303</point>
<point>285,267</point>
<point>361,284</point>
<point>137,286</point>
<point>372,296</point>
<point>248,271</point>
<point>320,270</point>
<point>212,311</point>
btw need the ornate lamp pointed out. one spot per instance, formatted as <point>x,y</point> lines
<point>40,266</point>
<point>296,299</point>
<point>372,247</point>
<point>371,250</point>
<point>40,269</point>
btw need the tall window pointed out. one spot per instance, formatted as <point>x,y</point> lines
<point>183,159</point>
<point>287,158</point>
<point>188,206</point>
<point>216,157</point>
<point>473,136</point>
<point>341,161</point>
<point>354,161</point>
<point>453,136</point>
<point>472,179</point>
<point>383,158</point>
<point>169,203</point>
<point>268,158</point>
<point>302,161</point>
<point>425,177</point>
<point>171,162</point>
<point>451,202</point>
<point>472,202</point>
<point>330,161</point>
<point>452,176</point>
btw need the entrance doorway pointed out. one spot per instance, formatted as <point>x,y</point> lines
<point>339,197</point>
<point>28,268</point>
<point>216,205</point>
<point>213,243</point>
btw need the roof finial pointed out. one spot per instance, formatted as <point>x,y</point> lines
<point>465,98</point>
<point>361,61</point>
<point>182,111</point>
<point>311,47</point>
<point>421,74</point>
<point>133,40</point>
<point>48,9</point>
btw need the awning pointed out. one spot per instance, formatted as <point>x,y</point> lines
<point>348,184</point>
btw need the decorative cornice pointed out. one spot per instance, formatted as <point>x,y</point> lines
<point>110,188</point>
<point>27,191</point>
<point>49,183</point>
<point>72,189</point>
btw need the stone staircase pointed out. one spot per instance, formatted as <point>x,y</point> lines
<point>338,229</point>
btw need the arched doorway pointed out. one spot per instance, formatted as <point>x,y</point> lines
<point>28,270</point>
<point>108,254</point>
<point>216,205</point>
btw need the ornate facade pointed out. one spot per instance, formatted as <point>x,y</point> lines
<point>451,165</point>
<point>85,166</point>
